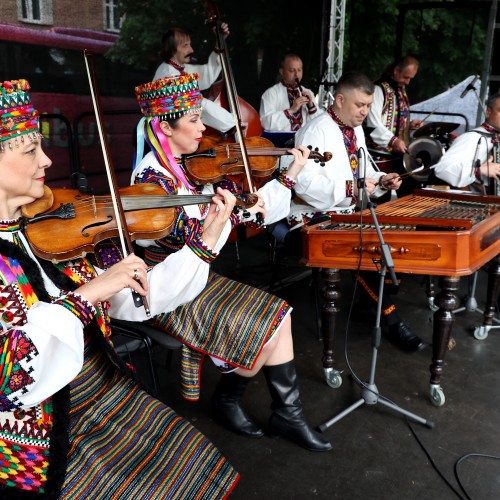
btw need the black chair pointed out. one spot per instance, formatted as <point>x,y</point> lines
<point>142,335</point>
<point>278,252</point>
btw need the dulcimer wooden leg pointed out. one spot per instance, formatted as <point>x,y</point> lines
<point>329,310</point>
<point>481,332</point>
<point>492,292</point>
<point>447,301</point>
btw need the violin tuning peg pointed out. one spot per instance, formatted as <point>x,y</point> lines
<point>309,147</point>
<point>322,164</point>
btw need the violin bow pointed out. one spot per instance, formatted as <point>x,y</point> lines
<point>232,95</point>
<point>121,222</point>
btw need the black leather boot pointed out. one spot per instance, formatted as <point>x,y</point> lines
<point>287,418</point>
<point>226,404</point>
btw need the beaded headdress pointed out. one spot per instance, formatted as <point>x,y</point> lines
<point>167,98</point>
<point>18,117</point>
<point>170,97</point>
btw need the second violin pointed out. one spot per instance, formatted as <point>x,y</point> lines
<point>214,161</point>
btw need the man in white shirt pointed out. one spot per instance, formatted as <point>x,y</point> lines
<point>325,190</point>
<point>389,117</point>
<point>470,160</point>
<point>176,54</point>
<point>287,106</point>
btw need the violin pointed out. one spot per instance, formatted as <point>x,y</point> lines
<point>149,213</point>
<point>215,161</point>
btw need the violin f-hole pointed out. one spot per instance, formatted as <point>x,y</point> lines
<point>85,234</point>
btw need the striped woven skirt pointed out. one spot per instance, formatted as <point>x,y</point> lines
<point>229,321</point>
<point>126,445</point>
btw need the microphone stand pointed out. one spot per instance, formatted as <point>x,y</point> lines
<point>369,391</point>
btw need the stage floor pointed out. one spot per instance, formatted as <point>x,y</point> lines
<point>377,454</point>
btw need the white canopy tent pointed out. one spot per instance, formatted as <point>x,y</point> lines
<point>450,101</point>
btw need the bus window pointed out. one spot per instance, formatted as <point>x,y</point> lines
<point>53,63</point>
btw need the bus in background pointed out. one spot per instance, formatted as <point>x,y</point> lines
<point>53,63</point>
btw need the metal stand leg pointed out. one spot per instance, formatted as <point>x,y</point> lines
<point>481,332</point>
<point>369,393</point>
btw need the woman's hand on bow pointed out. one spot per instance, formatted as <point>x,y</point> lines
<point>128,273</point>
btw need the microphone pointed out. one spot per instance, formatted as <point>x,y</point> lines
<point>469,87</point>
<point>361,177</point>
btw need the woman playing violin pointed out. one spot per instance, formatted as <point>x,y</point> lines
<point>241,328</point>
<point>74,422</point>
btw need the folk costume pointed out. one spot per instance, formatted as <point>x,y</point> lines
<point>214,116</point>
<point>326,190</point>
<point>233,332</point>
<point>229,321</point>
<point>274,110</point>
<point>457,166</point>
<point>74,423</point>
<point>389,116</point>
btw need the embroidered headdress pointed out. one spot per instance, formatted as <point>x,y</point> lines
<point>170,97</point>
<point>18,117</point>
<point>167,98</point>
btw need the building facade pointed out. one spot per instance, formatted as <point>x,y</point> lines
<point>98,15</point>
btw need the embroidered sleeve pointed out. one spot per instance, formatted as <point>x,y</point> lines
<point>286,181</point>
<point>151,176</point>
<point>79,306</point>
<point>194,241</point>
<point>15,346</point>
<point>106,253</point>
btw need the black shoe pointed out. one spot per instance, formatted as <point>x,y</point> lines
<point>298,431</point>
<point>401,336</point>
<point>288,418</point>
<point>226,405</point>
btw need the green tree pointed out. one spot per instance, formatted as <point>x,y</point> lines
<point>261,33</point>
<point>449,42</point>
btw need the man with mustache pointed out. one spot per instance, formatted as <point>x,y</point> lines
<point>176,54</point>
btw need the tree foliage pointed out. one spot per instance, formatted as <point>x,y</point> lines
<point>449,42</point>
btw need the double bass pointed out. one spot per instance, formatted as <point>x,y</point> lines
<point>221,90</point>
<point>249,115</point>
<point>233,102</point>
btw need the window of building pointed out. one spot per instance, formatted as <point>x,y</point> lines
<point>35,11</point>
<point>112,21</point>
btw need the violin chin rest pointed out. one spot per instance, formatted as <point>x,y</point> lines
<point>40,205</point>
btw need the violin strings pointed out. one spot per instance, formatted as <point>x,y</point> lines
<point>93,203</point>
<point>252,150</point>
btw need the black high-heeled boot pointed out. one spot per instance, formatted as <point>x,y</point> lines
<point>288,418</point>
<point>226,404</point>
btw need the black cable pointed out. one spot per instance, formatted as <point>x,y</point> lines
<point>431,460</point>
<point>363,384</point>
<point>461,459</point>
<point>351,307</point>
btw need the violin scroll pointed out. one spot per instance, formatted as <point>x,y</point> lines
<point>318,157</point>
